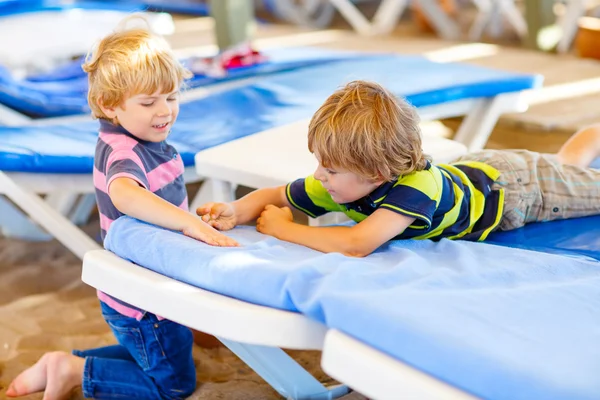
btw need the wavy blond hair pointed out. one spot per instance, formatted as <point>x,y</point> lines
<point>365,129</point>
<point>130,62</point>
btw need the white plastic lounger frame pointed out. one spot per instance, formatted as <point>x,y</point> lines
<point>379,376</point>
<point>254,333</point>
<point>267,158</point>
<point>389,12</point>
<point>489,15</point>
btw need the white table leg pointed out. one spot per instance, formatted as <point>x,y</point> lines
<point>484,15</point>
<point>213,190</point>
<point>353,15</point>
<point>81,212</point>
<point>442,23</point>
<point>477,126</point>
<point>514,17</point>
<point>387,15</point>
<point>568,23</point>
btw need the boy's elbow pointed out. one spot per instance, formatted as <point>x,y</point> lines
<point>355,253</point>
<point>356,247</point>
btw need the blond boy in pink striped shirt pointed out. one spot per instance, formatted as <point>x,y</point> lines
<point>134,84</point>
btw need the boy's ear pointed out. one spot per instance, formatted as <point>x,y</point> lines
<point>110,112</point>
<point>380,179</point>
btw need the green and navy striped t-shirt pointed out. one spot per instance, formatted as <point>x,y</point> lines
<point>448,201</point>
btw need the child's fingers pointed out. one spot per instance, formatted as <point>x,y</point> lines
<point>208,239</point>
<point>217,209</point>
<point>226,241</point>
<point>230,243</point>
<point>205,209</point>
<point>201,237</point>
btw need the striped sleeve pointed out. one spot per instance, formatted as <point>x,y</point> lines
<point>126,164</point>
<point>415,196</point>
<point>309,196</point>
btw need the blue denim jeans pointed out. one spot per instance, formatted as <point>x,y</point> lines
<point>153,360</point>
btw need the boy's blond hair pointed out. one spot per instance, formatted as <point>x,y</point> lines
<point>366,130</point>
<point>130,62</point>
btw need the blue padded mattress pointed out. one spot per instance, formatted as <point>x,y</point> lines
<point>64,91</point>
<point>576,237</point>
<point>11,7</point>
<point>193,7</point>
<point>497,322</point>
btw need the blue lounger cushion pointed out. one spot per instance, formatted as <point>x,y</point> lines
<point>574,237</point>
<point>494,321</point>
<point>278,60</point>
<point>12,7</point>
<point>192,7</point>
<point>269,102</point>
<point>64,91</point>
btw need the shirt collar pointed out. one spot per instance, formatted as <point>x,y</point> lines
<point>107,126</point>
<point>370,201</point>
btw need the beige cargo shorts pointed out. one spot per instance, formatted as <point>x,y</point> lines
<point>539,188</point>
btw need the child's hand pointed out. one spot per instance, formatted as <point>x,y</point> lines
<point>272,218</point>
<point>218,215</point>
<point>200,230</point>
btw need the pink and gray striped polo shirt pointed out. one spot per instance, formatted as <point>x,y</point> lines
<point>156,167</point>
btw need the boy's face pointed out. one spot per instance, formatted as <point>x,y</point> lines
<point>344,186</point>
<point>147,116</point>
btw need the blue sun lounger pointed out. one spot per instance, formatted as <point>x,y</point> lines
<point>416,319</point>
<point>63,92</point>
<point>193,7</point>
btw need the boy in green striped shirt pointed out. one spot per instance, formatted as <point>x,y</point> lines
<point>372,168</point>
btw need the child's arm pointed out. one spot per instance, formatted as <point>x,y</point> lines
<point>225,216</point>
<point>133,200</point>
<point>359,240</point>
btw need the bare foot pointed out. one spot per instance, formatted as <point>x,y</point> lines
<point>56,373</point>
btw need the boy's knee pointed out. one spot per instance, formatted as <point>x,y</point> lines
<point>180,386</point>
<point>188,383</point>
<point>183,389</point>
